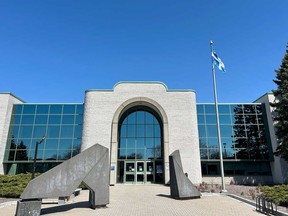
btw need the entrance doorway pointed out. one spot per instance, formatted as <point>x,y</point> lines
<point>140,148</point>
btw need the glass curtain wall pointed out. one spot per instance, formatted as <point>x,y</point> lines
<point>60,123</point>
<point>244,137</point>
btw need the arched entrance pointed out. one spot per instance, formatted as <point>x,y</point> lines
<point>140,146</point>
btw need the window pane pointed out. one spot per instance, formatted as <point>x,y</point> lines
<point>68,119</point>
<point>122,143</point>
<point>200,108</point>
<point>79,119</point>
<point>78,131</point>
<point>210,119</point>
<point>123,132</point>
<point>131,131</point>
<point>28,119</point>
<point>69,109</point>
<point>140,117</point>
<point>41,119</point>
<point>42,109</point>
<point>67,131</point>
<point>225,119</point>
<point>211,131</point>
<point>132,118</point>
<point>149,131</point>
<point>140,130</point>
<point>51,144</point>
<point>55,109</point>
<point>150,143</point>
<point>226,131</point>
<point>65,143</point>
<point>202,130</point>
<point>25,132</point>
<point>201,119</point>
<point>39,131</point>
<point>131,143</point>
<point>29,109</point>
<point>54,119</point>
<point>224,109</point>
<point>53,132</point>
<point>50,155</point>
<point>210,109</point>
<point>140,143</point>
<point>80,109</point>
<point>157,130</point>
<point>149,118</point>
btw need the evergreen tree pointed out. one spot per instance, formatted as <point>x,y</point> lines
<point>281,108</point>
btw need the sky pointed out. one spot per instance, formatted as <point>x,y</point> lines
<point>51,51</point>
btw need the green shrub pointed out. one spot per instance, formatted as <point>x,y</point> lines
<point>278,193</point>
<point>11,186</point>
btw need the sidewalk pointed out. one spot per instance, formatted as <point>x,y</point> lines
<point>138,200</point>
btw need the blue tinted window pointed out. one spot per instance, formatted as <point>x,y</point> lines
<point>201,119</point>
<point>141,117</point>
<point>211,131</point>
<point>53,131</point>
<point>202,130</point>
<point>65,144</point>
<point>225,119</point>
<point>68,119</point>
<point>224,109</point>
<point>200,109</point>
<point>42,109</point>
<point>226,131</point>
<point>140,130</point>
<point>78,131</point>
<point>50,155</point>
<point>25,132</point>
<point>16,119</point>
<point>29,109</point>
<point>67,131</point>
<point>80,109</point>
<point>27,119</point>
<point>51,144</point>
<point>54,119</point>
<point>55,109</point>
<point>69,109</point>
<point>149,118</point>
<point>18,109</point>
<point>210,119</point>
<point>41,119</point>
<point>39,131</point>
<point>79,119</point>
<point>210,109</point>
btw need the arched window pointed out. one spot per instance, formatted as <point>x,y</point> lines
<point>140,140</point>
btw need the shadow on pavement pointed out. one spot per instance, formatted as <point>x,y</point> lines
<point>65,207</point>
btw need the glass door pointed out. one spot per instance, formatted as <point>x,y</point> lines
<point>129,172</point>
<point>139,172</point>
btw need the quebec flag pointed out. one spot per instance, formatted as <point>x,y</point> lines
<point>217,61</point>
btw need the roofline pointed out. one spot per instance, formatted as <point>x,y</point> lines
<point>13,96</point>
<point>267,93</point>
<point>141,82</point>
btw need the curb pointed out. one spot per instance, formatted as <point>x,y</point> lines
<point>249,202</point>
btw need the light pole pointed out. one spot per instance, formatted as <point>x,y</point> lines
<point>35,156</point>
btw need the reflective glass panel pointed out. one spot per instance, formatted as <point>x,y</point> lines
<point>54,119</point>
<point>41,119</point>
<point>29,109</point>
<point>69,109</point>
<point>66,131</point>
<point>68,119</point>
<point>42,109</point>
<point>55,109</point>
<point>27,119</point>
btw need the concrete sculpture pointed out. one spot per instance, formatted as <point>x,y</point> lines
<point>90,166</point>
<point>180,185</point>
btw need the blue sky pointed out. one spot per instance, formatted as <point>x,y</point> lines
<point>52,51</point>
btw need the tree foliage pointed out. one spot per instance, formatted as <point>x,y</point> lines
<point>281,108</point>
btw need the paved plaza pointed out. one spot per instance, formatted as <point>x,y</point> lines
<point>138,200</point>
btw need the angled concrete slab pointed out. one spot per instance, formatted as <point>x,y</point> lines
<point>180,185</point>
<point>90,166</point>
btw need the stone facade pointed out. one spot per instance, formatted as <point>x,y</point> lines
<point>177,108</point>
<point>6,104</point>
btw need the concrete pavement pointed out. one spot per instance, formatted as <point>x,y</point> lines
<point>140,200</point>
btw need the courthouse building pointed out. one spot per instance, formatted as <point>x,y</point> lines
<point>142,123</point>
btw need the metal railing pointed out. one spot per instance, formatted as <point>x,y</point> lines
<point>266,205</point>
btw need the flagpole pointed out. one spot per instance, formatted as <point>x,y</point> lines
<point>223,190</point>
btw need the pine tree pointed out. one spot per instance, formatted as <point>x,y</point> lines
<point>281,108</point>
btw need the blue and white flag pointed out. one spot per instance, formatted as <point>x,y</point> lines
<point>217,61</point>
